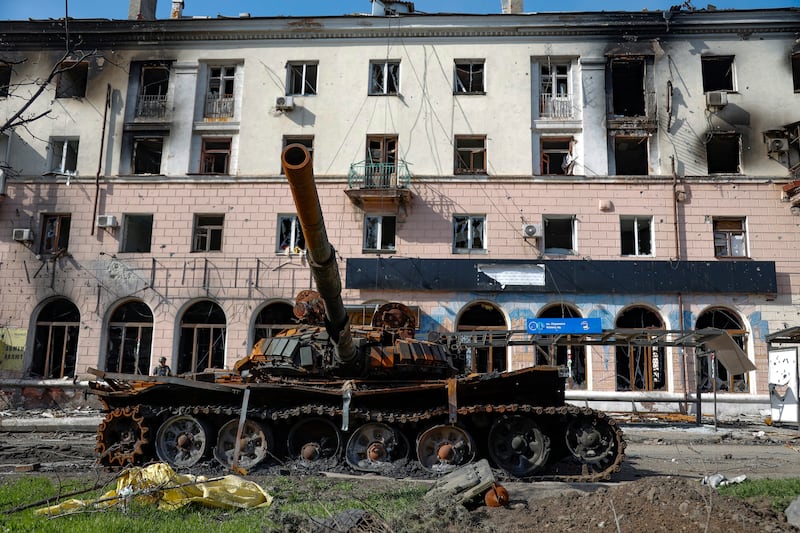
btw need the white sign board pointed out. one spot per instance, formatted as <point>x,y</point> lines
<point>783,384</point>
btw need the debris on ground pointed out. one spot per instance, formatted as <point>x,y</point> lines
<point>718,480</point>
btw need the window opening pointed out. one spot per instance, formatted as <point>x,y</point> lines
<point>137,233</point>
<point>153,86</point>
<point>795,72</point>
<point>147,153</point>
<point>469,233</point>
<point>630,156</point>
<point>64,156</point>
<point>640,367</point>
<point>384,77</point>
<point>381,167</point>
<point>290,235</point>
<point>554,97</point>
<point>627,85</point>
<point>571,357</point>
<point>717,73</point>
<point>470,155</point>
<point>557,156</point>
<point>219,98</point>
<point>379,232</point>
<point>559,234</point>
<point>479,318</point>
<point>216,156</point>
<point>302,79</point>
<point>130,339</point>
<point>636,235</point>
<point>305,140</point>
<point>272,319</point>
<point>5,79</point>
<point>729,321</point>
<point>723,151</point>
<point>469,77</point>
<point>72,80</point>
<point>208,233</point>
<point>55,237</point>
<point>202,341</point>
<point>730,237</point>
<point>55,344</point>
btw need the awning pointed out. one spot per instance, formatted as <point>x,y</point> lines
<point>729,354</point>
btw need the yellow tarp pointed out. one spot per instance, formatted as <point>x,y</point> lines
<point>160,484</point>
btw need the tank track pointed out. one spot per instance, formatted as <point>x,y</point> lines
<point>568,469</point>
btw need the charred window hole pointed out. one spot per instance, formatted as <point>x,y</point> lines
<point>627,84</point>
<point>630,156</point>
<point>717,73</point>
<point>559,234</point>
<point>723,153</point>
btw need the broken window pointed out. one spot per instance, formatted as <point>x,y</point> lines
<point>153,86</point>
<point>72,80</point>
<point>717,73</point>
<point>379,232</point>
<point>130,339</point>
<point>630,156</point>
<point>146,155</point>
<point>302,79</point>
<point>795,72</point>
<point>554,97</point>
<point>727,320</point>
<point>628,86</point>
<point>559,234</point>
<point>636,235</point>
<point>215,156</point>
<point>55,236</point>
<point>5,79</point>
<point>723,152</point>
<point>64,156</point>
<point>290,235</point>
<point>272,319</point>
<point>469,76</point>
<point>208,233</point>
<point>557,156</point>
<point>640,367</point>
<point>202,339</point>
<point>381,162</point>
<point>730,237</point>
<point>470,154</point>
<point>571,357</point>
<point>481,318</point>
<point>137,233</point>
<point>219,96</point>
<point>305,140</point>
<point>384,77</point>
<point>469,233</point>
<point>55,343</point>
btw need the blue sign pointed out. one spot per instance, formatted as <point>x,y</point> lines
<point>566,326</point>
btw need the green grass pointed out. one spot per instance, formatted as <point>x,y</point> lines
<point>778,493</point>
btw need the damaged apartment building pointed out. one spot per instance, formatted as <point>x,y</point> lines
<point>641,169</point>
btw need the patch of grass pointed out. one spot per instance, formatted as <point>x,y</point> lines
<point>778,492</point>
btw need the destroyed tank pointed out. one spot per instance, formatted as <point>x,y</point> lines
<point>373,397</point>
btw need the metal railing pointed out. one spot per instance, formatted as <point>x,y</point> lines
<point>219,107</point>
<point>366,175</point>
<point>555,106</point>
<point>151,106</point>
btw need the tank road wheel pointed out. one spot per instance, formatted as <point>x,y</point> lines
<point>518,445</point>
<point>256,442</point>
<point>182,440</point>
<point>374,446</point>
<point>122,437</point>
<point>442,448</point>
<point>593,442</point>
<point>312,439</point>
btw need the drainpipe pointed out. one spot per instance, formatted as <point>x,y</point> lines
<point>682,358</point>
<point>100,157</point>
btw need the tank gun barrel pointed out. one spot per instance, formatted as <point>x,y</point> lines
<point>297,166</point>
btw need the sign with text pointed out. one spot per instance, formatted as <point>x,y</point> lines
<point>564,326</point>
<point>12,348</point>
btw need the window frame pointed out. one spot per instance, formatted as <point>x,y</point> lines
<point>714,145</point>
<point>547,220</point>
<point>295,240</point>
<point>5,79</point>
<point>726,235</point>
<point>305,140</point>
<point>220,104</point>
<point>58,242</point>
<point>60,148</point>
<point>728,81</point>
<point>208,154</point>
<point>135,145</point>
<point>153,105</point>
<point>126,242</point>
<point>470,221</point>
<point>553,103</point>
<point>468,166</point>
<point>795,65</point>
<point>635,234</point>
<point>302,77</point>
<point>208,229</point>
<point>390,70</point>
<point>617,140</point>
<point>472,76</point>
<point>564,153</point>
<point>376,241</point>
<point>73,79</point>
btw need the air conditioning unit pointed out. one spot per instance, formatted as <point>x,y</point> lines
<point>531,231</point>
<point>23,235</point>
<point>777,145</point>
<point>284,103</point>
<point>106,221</point>
<point>716,99</point>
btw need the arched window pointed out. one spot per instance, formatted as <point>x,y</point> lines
<point>640,367</point>
<point>130,339</point>
<point>479,317</point>
<point>202,341</point>
<point>55,345</point>
<point>272,319</point>
<point>726,319</point>
<point>572,357</point>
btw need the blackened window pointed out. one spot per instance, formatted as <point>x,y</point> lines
<point>723,151</point>
<point>559,234</point>
<point>5,79</point>
<point>627,84</point>
<point>717,73</point>
<point>630,156</point>
<point>72,80</point>
<point>147,152</point>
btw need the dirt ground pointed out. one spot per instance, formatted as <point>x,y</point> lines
<point>652,493</point>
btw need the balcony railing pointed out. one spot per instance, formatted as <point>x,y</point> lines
<point>555,106</point>
<point>219,107</point>
<point>364,175</point>
<point>151,106</point>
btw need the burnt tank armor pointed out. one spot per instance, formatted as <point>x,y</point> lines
<point>373,396</point>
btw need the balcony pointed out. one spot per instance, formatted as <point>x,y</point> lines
<point>151,106</point>
<point>555,106</point>
<point>380,186</point>
<point>219,107</point>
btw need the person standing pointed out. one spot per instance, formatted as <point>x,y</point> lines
<point>162,369</point>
